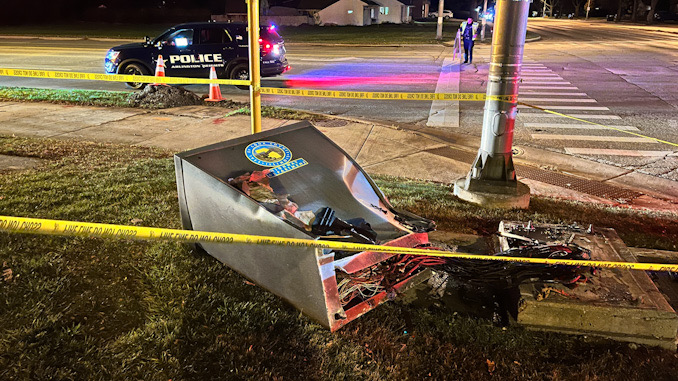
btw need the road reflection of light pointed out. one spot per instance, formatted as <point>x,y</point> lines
<point>358,75</point>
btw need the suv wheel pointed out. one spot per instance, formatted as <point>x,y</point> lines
<point>241,71</point>
<point>136,69</point>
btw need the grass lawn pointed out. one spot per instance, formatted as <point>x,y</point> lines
<point>105,98</point>
<point>381,34</point>
<point>374,34</point>
<point>77,308</point>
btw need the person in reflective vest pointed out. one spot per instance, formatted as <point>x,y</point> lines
<point>468,34</point>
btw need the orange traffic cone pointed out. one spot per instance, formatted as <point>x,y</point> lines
<point>160,70</point>
<point>215,90</point>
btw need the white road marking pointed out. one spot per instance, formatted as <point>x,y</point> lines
<point>581,116</point>
<point>572,100</point>
<point>587,108</point>
<point>542,82</point>
<point>580,126</point>
<point>446,113</point>
<point>529,87</point>
<point>616,152</point>
<point>551,93</point>
<point>593,138</point>
<point>533,75</point>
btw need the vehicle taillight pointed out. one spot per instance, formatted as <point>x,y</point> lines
<point>267,47</point>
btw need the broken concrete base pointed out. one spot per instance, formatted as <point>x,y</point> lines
<point>520,199</point>
<point>618,304</point>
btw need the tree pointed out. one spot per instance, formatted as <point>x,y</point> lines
<point>620,9</point>
<point>634,12</point>
<point>577,6</point>
<point>650,14</point>
<point>549,6</point>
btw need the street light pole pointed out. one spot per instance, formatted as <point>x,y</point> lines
<point>439,30</point>
<point>492,178</point>
<point>482,31</point>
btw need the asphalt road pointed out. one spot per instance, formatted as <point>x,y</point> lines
<point>603,72</point>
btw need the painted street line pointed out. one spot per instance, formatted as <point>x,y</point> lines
<point>593,138</point>
<point>587,108</point>
<point>616,152</point>
<point>551,93</point>
<point>540,82</point>
<point>529,87</point>
<point>580,116</point>
<point>580,126</point>
<point>446,113</point>
<point>557,100</point>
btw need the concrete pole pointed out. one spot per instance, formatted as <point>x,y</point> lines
<point>492,178</point>
<point>482,31</point>
<point>255,65</point>
<point>439,30</point>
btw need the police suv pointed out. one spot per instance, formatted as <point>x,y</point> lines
<point>190,50</point>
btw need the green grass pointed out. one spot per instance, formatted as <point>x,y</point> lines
<point>381,34</point>
<point>105,98</point>
<point>75,97</point>
<point>79,308</point>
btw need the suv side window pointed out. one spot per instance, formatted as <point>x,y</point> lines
<point>180,38</point>
<point>214,36</point>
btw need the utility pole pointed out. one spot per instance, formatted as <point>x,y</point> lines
<point>492,179</point>
<point>482,31</point>
<point>588,8</point>
<point>439,30</point>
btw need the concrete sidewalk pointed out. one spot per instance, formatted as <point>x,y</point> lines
<point>428,154</point>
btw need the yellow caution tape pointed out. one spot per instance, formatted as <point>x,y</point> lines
<point>598,124</point>
<point>373,95</point>
<point>86,229</point>
<point>47,74</point>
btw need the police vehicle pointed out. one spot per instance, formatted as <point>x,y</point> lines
<point>190,50</point>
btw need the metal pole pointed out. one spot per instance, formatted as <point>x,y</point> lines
<point>439,30</point>
<point>255,64</point>
<point>493,174</point>
<point>482,31</point>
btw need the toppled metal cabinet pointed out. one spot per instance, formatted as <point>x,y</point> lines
<point>314,173</point>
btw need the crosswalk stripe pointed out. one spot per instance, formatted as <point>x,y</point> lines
<point>595,138</point>
<point>616,152</point>
<point>587,108</point>
<point>551,93</point>
<point>577,126</point>
<point>541,82</point>
<point>572,100</point>
<point>580,116</point>
<point>529,87</point>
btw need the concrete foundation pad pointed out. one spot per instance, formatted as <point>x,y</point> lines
<point>619,304</point>
<point>499,199</point>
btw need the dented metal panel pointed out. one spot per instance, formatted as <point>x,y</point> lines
<point>312,172</point>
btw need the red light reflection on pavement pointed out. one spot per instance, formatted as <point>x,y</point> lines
<point>335,81</point>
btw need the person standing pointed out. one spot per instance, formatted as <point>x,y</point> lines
<point>469,32</point>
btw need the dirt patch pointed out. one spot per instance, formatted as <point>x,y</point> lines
<point>164,97</point>
<point>14,163</point>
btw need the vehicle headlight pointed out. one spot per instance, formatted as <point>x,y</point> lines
<point>112,55</point>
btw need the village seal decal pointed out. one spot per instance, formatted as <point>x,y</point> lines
<point>268,154</point>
